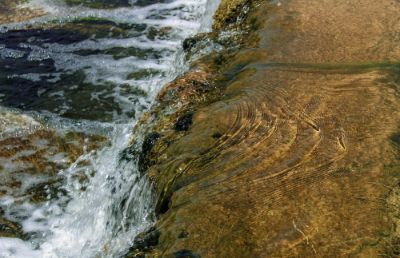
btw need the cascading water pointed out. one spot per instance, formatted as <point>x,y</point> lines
<point>83,70</point>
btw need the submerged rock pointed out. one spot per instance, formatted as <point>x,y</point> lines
<point>44,65</point>
<point>105,4</point>
<point>148,144</point>
<point>10,229</point>
<point>100,3</point>
<point>31,155</point>
<point>184,122</point>
<point>15,11</point>
<point>144,243</point>
<point>292,149</point>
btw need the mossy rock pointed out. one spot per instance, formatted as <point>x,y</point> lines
<point>10,229</point>
<point>227,12</point>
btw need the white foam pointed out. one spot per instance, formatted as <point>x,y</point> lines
<point>13,123</point>
<point>181,17</point>
<point>117,204</point>
<point>10,53</point>
<point>12,247</point>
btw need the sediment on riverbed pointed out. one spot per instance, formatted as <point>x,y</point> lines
<point>284,142</point>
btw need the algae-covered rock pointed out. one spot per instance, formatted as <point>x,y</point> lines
<point>228,11</point>
<point>10,229</point>
<point>292,149</point>
<point>144,243</point>
<point>32,152</point>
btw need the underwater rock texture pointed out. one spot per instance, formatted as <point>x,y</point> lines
<point>14,11</point>
<point>31,157</point>
<point>292,148</point>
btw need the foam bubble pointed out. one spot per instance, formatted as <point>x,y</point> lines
<point>104,202</point>
<point>12,247</point>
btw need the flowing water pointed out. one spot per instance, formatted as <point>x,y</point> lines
<point>73,83</point>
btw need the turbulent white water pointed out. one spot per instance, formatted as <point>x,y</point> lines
<point>99,216</point>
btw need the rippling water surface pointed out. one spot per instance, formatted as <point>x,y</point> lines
<point>73,81</point>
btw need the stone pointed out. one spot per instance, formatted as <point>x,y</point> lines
<point>294,154</point>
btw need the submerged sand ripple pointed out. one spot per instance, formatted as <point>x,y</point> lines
<point>299,156</point>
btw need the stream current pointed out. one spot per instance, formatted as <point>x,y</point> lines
<point>73,83</point>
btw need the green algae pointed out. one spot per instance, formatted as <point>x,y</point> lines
<point>100,4</point>
<point>142,74</point>
<point>94,20</point>
<point>202,92</point>
<point>229,12</point>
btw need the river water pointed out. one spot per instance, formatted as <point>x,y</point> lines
<point>73,83</point>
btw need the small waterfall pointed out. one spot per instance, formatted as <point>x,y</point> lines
<point>105,202</point>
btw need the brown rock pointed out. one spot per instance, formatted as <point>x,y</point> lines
<point>299,155</point>
<point>12,11</point>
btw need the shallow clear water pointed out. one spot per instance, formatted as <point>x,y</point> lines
<point>72,85</point>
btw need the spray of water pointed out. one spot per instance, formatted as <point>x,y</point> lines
<point>101,215</point>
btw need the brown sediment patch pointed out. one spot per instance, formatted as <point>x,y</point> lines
<point>295,152</point>
<point>12,11</point>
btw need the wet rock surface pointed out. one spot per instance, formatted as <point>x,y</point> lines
<point>31,78</point>
<point>32,155</point>
<point>293,145</point>
<point>105,4</point>
<point>14,11</point>
<point>10,229</point>
<point>72,83</point>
